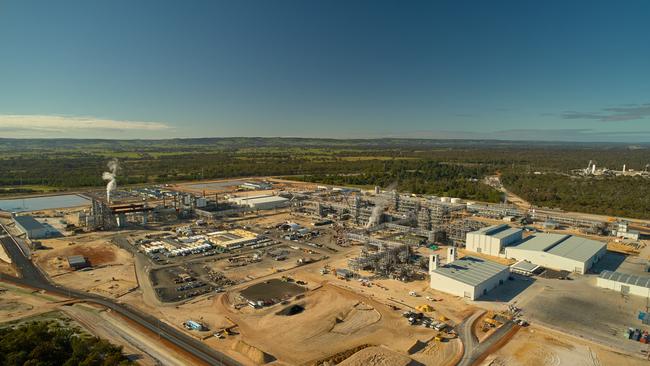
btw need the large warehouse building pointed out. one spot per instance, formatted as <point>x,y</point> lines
<point>560,252</point>
<point>261,202</point>
<point>32,228</point>
<point>624,283</point>
<point>492,240</point>
<point>467,277</point>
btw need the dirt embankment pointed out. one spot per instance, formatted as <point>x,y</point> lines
<point>254,354</point>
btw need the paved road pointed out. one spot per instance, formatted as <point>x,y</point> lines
<point>472,349</point>
<point>33,277</point>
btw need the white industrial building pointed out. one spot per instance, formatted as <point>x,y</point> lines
<point>492,240</point>
<point>623,231</point>
<point>559,252</point>
<point>624,283</point>
<point>467,277</point>
<point>261,202</point>
<point>32,228</point>
<point>256,185</point>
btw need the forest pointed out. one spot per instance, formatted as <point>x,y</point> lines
<point>538,171</point>
<point>46,343</point>
<point>424,177</point>
<point>615,196</point>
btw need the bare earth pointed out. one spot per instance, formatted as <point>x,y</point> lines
<point>113,272</point>
<point>535,346</point>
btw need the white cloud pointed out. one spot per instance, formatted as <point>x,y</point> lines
<point>63,124</point>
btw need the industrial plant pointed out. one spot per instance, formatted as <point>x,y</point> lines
<point>216,256</point>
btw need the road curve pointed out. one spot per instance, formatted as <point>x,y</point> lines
<point>473,351</point>
<point>32,276</point>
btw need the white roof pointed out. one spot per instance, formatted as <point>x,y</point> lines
<point>471,270</point>
<point>566,246</point>
<point>266,200</point>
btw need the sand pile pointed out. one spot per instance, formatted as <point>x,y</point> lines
<point>359,317</point>
<point>376,356</point>
<point>254,354</point>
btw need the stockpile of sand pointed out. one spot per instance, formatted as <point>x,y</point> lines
<point>436,353</point>
<point>376,356</point>
<point>360,316</point>
<point>254,354</point>
<point>535,347</point>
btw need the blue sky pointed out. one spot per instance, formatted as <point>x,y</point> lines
<point>547,70</point>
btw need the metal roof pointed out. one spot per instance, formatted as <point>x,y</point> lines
<point>541,242</point>
<point>565,246</point>
<point>626,278</point>
<point>491,230</point>
<point>498,231</point>
<point>507,233</point>
<point>577,248</point>
<point>471,270</point>
<point>28,223</point>
<point>76,259</point>
<point>525,266</point>
<point>254,201</point>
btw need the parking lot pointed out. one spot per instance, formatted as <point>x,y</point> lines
<point>184,282</point>
<point>579,308</point>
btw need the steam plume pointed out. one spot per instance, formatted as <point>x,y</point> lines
<point>110,176</point>
<point>375,216</point>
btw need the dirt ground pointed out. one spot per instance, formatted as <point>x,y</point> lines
<point>113,271</point>
<point>396,293</point>
<point>535,346</point>
<point>95,247</point>
<point>439,353</point>
<point>3,255</point>
<point>334,320</point>
<point>231,185</point>
<point>17,302</point>
<point>275,219</point>
<point>379,356</point>
<point>8,269</point>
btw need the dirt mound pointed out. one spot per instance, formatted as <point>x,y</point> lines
<point>359,317</point>
<point>376,356</point>
<point>254,354</point>
<point>96,255</point>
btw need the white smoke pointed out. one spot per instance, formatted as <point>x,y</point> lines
<point>111,176</point>
<point>377,211</point>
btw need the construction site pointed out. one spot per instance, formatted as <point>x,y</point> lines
<point>344,274</point>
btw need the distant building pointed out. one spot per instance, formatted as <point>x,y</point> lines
<point>258,186</point>
<point>261,202</point>
<point>524,268</point>
<point>624,283</point>
<point>468,277</point>
<point>344,273</point>
<point>77,262</point>
<point>560,252</point>
<point>32,228</point>
<point>492,240</point>
<point>233,239</point>
<point>624,232</point>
